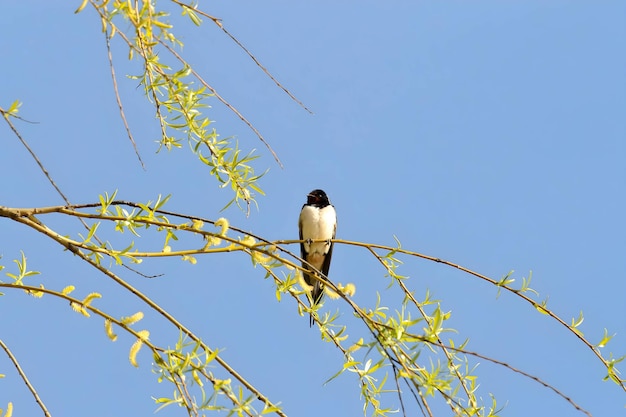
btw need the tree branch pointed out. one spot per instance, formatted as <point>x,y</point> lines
<point>32,389</point>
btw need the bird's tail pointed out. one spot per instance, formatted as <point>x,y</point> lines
<point>316,293</point>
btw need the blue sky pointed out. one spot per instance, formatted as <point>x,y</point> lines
<point>491,134</point>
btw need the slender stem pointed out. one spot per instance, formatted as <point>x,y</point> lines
<point>25,379</point>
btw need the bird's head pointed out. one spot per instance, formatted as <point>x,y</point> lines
<point>317,198</point>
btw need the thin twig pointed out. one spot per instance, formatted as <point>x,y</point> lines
<point>32,153</point>
<point>398,390</point>
<point>218,22</point>
<point>223,101</point>
<point>256,61</point>
<point>516,370</point>
<point>25,379</point>
<point>119,100</point>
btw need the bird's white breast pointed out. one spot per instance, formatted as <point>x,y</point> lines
<point>317,224</point>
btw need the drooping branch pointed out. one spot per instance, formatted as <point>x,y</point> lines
<point>75,249</point>
<point>392,337</point>
<point>84,307</point>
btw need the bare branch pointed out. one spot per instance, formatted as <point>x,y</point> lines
<point>107,36</point>
<point>218,22</point>
<point>25,379</point>
<point>34,156</point>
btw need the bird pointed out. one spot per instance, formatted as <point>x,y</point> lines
<point>318,221</point>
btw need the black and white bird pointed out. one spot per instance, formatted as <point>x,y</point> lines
<point>318,221</point>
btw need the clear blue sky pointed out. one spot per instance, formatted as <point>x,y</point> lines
<point>491,134</point>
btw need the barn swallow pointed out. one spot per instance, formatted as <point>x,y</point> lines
<point>318,221</point>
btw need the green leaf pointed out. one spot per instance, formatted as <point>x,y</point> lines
<point>542,308</point>
<point>92,231</point>
<point>13,109</point>
<point>81,7</point>
<point>350,364</point>
<point>526,284</point>
<point>577,322</point>
<point>605,339</point>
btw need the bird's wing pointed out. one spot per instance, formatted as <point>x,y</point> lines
<point>329,255</point>
<point>303,251</point>
<point>304,254</point>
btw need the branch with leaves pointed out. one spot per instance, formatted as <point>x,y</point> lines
<point>406,345</point>
<point>400,360</point>
<point>187,357</point>
<point>179,94</point>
